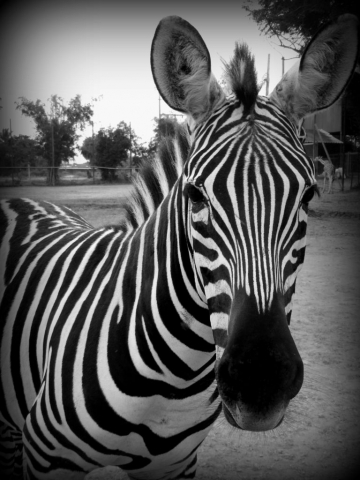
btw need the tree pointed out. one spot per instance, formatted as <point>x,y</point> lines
<point>140,154</point>
<point>112,149</point>
<point>57,130</point>
<point>166,126</point>
<point>294,22</point>
<point>18,151</point>
<point>88,149</point>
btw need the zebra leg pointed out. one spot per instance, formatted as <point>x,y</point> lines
<point>10,453</point>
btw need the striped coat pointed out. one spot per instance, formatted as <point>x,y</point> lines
<point>121,345</point>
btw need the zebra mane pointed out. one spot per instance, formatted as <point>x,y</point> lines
<point>241,76</point>
<point>156,177</point>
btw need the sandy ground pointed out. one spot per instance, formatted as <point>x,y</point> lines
<point>320,438</point>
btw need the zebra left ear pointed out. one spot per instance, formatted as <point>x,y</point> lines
<point>323,72</point>
<point>181,67</point>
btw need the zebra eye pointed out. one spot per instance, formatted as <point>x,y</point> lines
<point>195,195</point>
<point>308,195</point>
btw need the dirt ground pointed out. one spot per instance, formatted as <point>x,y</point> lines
<point>320,437</point>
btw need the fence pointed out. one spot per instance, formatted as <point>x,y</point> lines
<point>350,164</point>
<point>28,175</point>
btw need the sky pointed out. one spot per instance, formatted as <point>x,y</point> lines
<point>101,48</point>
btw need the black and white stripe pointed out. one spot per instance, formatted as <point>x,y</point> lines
<point>121,345</point>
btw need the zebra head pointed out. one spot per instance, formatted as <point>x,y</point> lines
<point>246,186</point>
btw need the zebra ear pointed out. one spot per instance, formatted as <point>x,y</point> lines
<point>323,72</point>
<point>181,68</point>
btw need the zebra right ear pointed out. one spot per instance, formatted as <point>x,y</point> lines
<point>181,67</point>
<point>323,72</point>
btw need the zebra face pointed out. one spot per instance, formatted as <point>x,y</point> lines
<point>247,212</point>
<point>246,187</point>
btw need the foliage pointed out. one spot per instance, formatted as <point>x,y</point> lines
<point>294,22</point>
<point>19,151</point>
<point>57,131</point>
<point>165,127</point>
<point>88,149</point>
<point>140,154</point>
<point>112,148</point>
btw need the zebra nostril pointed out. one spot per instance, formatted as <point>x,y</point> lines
<point>263,380</point>
<point>297,380</point>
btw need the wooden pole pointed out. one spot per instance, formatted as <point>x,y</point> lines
<point>52,152</point>
<point>11,155</point>
<point>93,144</point>
<point>342,137</point>
<point>268,76</point>
<point>323,144</point>
<point>313,149</point>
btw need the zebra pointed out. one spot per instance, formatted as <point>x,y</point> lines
<point>122,345</point>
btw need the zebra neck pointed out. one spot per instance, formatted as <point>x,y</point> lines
<point>168,274</point>
<point>166,311</point>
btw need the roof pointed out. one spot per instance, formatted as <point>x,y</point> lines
<point>326,137</point>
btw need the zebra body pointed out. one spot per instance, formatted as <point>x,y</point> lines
<point>121,345</point>
<point>76,254</point>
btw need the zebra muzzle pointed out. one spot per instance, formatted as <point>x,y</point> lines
<point>239,417</point>
<point>260,370</point>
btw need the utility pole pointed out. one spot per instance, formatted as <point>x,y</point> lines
<point>52,151</point>
<point>130,159</point>
<point>93,143</point>
<point>342,137</point>
<point>283,65</point>
<point>52,168</point>
<point>314,146</point>
<point>159,108</point>
<point>171,115</point>
<point>11,155</point>
<point>268,76</point>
